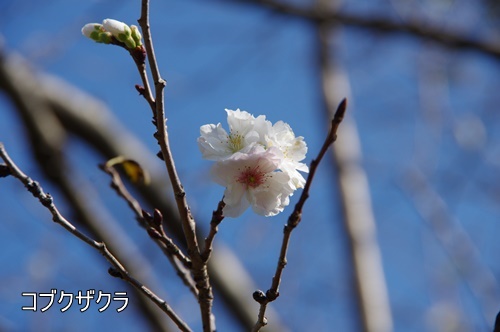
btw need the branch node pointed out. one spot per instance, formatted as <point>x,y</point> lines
<point>147,216</point>
<point>153,233</point>
<point>259,296</point>
<point>180,194</point>
<point>139,55</point>
<point>283,263</point>
<point>46,200</point>
<point>140,89</point>
<point>115,273</point>
<point>272,295</point>
<point>4,171</point>
<point>157,218</point>
<point>33,187</point>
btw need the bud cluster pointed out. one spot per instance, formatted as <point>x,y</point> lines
<point>111,31</point>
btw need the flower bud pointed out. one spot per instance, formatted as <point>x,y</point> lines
<point>120,31</point>
<point>105,37</point>
<point>93,31</point>
<point>136,35</point>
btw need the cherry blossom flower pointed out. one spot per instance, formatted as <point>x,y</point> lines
<point>251,179</point>
<point>257,162</point>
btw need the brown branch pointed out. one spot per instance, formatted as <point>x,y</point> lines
<point>145,89</point>
<point>217,218</point>
<point>4,171</point>
<point>173,250</point>
<point>199,267</point>
<point>381,24</point>
<point>293,221</point>
<point>154,228</point>
<point>181,263</point>
<point>162,136</point>
<point>47,201</point>
<point>118,186</point>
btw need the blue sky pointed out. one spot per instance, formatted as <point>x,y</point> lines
<point>416,105</point>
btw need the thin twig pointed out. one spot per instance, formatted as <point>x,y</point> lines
<point>139,56</point>
<point>294,219</point>
<point>157,232</point>
<point>47,201</point>
<point>118,186</point>
<point>154,227</point>
<point>4,171</point>
<point>145,89</point>
<point>162,135</point>
<point>217,217</point>
<point>199,267</point>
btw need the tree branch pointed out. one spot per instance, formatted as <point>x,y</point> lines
<point>199,267</point>
<point>162,136</point>
<point>47,201</point>
<point>154,228</point>
<point>381,24</point>
<point>293,221</point>
<point>455,240</point>
<point>217,218</point>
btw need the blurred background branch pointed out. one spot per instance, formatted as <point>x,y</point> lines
<point>379,24</point>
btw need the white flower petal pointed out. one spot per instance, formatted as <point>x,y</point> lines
<point>213,142</point>
<point>240,121</point>
<point>298,149</point>
<point>271,198</point>
<point>235,200</point>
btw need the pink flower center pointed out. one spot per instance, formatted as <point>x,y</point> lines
<point>252,177</point>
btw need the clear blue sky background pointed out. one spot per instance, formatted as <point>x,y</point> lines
<point>412,101</point>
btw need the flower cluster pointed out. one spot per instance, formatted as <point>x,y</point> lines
<point>109,29</point>
<point>257,162</point>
